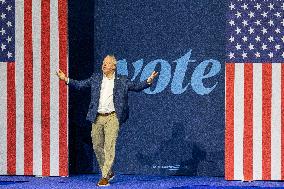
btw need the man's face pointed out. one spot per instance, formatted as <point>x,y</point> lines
<point>108,65</point>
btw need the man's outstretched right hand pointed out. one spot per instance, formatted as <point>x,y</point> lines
<point>61,75</point>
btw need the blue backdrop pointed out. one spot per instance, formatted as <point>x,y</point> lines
<point>177,126</point>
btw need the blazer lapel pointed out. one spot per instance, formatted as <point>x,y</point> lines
<point>116,78</point>
<point>99,81</point>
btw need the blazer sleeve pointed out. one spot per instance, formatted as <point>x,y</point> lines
<point>80,84</point>
<point>137,86</point>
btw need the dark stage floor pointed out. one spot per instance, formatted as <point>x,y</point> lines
<point>130,181</point>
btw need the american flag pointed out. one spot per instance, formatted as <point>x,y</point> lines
<point>254,147</point>
<point>33,103</point>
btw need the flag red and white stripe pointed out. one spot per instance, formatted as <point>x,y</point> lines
<point>33,102</point>
<point>254,147</point>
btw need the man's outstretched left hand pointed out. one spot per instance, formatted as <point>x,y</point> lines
<point>152,77</point>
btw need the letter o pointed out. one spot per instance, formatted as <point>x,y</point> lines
<point>164,76</point>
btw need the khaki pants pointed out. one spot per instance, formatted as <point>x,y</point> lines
<point>104,134</point>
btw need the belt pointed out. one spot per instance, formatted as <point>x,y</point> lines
<point>106,114</point>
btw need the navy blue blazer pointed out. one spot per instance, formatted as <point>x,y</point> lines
<point>120,94</point>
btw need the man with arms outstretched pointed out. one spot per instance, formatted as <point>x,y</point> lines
<point>108,109</point>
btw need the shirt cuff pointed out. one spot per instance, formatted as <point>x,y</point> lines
<point>149,83</point>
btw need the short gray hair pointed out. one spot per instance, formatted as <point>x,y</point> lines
<point>113,58</point>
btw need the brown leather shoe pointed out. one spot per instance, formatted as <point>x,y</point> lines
<point>110,176</point>
<point>103,182</point>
